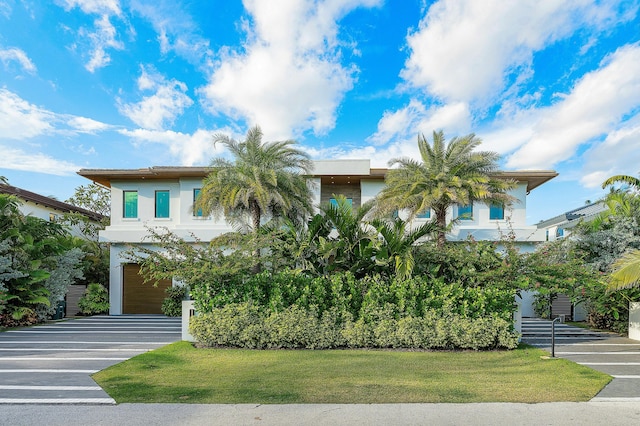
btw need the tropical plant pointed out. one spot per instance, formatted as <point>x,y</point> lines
<point>633,182</point>
<point>95,300</point>
<point>626,272</point>
<point>172,304</point>
<point>449,173</point>
<point>398,243</point>
<point>263,178</point>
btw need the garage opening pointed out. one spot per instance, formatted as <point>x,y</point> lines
<point>139,297</point>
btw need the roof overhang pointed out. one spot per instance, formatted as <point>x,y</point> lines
<point>533,178</point>
<point>106,176</point>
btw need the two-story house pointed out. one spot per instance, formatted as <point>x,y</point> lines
<point>164,197</point>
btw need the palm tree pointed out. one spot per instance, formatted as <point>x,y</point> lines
<point>398,242</point>
<point>626,272</point>
<point>263,178</point>
<point>449,173</point>
<point>629,180</point>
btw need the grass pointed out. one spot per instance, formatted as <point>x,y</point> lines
<point>182,373</point>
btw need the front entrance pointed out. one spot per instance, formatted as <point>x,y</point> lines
<point>140,297</point>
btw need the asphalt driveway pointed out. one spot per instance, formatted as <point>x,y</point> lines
<point>52,363</point>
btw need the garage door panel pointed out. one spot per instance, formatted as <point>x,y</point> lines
<point>140,297</point>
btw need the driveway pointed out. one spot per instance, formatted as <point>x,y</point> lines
<point>52,363</point>
<point>607,352</point>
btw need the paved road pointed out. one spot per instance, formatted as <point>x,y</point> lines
<point>52,363</point>
<point>606,352</point>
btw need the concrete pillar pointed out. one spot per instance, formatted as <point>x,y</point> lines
<point>634,320</point>
<point>188,310</point>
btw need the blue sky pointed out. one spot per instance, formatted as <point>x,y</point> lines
<point>549,84</point>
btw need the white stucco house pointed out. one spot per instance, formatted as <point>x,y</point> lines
<point>561,226</point>
<point>47,208</point>
<point>164,196</point>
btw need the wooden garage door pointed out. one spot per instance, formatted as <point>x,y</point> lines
<point>140,297</point>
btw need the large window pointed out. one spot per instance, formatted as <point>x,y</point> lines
<point>130,204</point>
<point>162,204</point>
<point>465,212</point>
<point>425,214</point>
<point>196,194</point>
<point>334,202</point>
<point>496,211</point>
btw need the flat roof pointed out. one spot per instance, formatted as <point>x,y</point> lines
<point>534,178</point>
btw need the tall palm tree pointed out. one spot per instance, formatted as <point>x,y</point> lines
<point>449,173</point>
<point>263,178</point>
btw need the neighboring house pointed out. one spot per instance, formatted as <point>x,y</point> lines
<point>560,226</point>
<point>47,208</point>
<point>50,209</point>
<point>164,197</point>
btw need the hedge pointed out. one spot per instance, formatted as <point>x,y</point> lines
<point>247,325</point>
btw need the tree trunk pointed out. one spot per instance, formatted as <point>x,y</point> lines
<point>441,220</point>
<point>255,216</point>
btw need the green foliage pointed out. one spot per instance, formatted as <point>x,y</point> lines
<point>39,263</point>
<point>448,174</point>
<point>172,304</point>
<point>95,300</point>
<point>246,325</point>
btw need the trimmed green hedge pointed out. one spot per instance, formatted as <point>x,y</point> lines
<point>344,292</point>
<point>246,325</point>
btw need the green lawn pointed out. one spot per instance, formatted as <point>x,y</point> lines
<point>182,373</point>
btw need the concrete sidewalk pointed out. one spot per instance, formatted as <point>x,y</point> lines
<point>585,413</point>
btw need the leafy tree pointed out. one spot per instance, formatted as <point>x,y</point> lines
<point>263,178</point>
<point>94,198</point>
<point>449,173</point>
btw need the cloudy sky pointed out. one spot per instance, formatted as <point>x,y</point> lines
<point>549,84</point>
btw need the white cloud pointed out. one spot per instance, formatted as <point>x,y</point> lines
<point>416,119</point>
<point>467,49</point>
<point>19,119</point>
<point>618,154</point>
<point>176,30</point>
<point>288,78</point>
<point>17,55</point>
<point>596,106</point>
<point>16,159</point>
<point>87,125</point>
<point>111,7</point>
<point>168,101</point>
<point>104,35</point>
<point>196,148</point>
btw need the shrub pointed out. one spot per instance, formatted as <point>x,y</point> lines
<point>95,300</point>
<point>248,326</point>
<point>172,304</point>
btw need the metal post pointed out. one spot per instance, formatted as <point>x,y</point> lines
<point>553,337</point>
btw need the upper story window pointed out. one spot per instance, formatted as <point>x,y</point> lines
<point>162,204</point>
<point>425,214</point>
<point>196,194</point>
<point>496,211</point>
<point>53,217</point>
<point>334,202</point>
<point>559,233</point>
<point>130,204</point>
<point>465,212</point>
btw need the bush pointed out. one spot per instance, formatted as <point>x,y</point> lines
<point>247,326</point>
<point>95,300</point>
<point>172,304</point>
